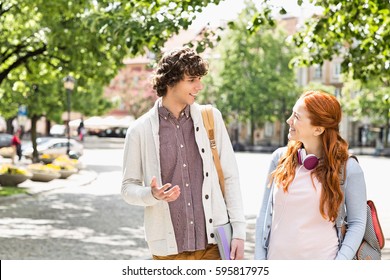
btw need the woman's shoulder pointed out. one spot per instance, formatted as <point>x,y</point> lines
<point>353,165</point>
<point>279,152</point>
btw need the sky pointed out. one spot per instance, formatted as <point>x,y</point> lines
<point>229,9</point>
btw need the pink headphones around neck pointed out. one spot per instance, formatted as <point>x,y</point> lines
<point>309,161</point>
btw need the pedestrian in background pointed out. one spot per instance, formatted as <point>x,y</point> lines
<point>168,167</point>
<point>16,145</point>
<point>303,194</point>
<point>81,131</point>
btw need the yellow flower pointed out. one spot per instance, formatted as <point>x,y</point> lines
<point>39,167</point>
<point>11,169</point>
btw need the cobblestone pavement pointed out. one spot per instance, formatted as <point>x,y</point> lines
<point>64,226</point>
<point>75,220</point>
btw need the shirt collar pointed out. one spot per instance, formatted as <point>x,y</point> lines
<point>165,113</point>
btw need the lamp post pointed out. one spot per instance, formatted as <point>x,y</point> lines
<point>69,82</point>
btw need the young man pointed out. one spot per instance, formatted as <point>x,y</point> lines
<point>168,168</point>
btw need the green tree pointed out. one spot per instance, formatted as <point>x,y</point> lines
<point>42,41</point>
<point>80,36</point>
<point>356,30</point>
<point>370,99</point>
<point>255,82</point>
<point>319,86</point>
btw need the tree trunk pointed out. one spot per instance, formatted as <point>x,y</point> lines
<point>34,120</point>
<point>10,128</point>
<point>251,140</point>
<point>48,126</point>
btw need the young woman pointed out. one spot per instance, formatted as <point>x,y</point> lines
<point>301,203</point>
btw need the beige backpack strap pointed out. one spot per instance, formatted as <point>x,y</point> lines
<point>208,120</point>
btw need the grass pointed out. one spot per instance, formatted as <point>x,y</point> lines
<point>8,191</point>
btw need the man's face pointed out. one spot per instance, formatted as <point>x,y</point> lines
<point>185,91</point>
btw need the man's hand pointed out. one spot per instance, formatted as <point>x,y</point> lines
<point>166,192</point>
<point>237,249</point>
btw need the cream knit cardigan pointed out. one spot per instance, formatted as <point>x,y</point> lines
<point>141,162</point>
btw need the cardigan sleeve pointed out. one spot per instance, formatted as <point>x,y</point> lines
<point>262,234</point>
<point>133,189</point>
<point>356,209</point>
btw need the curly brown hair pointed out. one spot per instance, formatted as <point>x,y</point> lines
<point>172,67</point>
<point>324,110</point>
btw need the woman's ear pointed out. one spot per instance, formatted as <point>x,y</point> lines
<point>319,130</point>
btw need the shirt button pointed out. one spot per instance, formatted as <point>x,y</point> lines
<point>189,204</point>
<point>210,221</point>
<point>184,165</point>
<point>206,196</point>
<point>177,126</point>
<point>187,185</point>
<point>212,235</point>
<point>207,174</point>
<point>202,150</point>
<point>191,222</point>
<point>181,146</point>
<point>197,129</point>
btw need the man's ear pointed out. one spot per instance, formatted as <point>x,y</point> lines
<point>319,130</point>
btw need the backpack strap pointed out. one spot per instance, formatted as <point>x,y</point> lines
<point>208,120</point>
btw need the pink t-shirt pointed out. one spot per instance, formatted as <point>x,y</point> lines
<point>299,232</point>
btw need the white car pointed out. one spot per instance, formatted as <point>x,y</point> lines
<point>54,146</point>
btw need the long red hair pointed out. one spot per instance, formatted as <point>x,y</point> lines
<point>325,111</point>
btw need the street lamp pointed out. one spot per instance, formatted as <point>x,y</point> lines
<point>69,82</point>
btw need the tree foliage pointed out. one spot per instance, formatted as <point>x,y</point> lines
<point>254,82</point>
<point>81,36</point>
<point>356,30</point>
<point>43,41</point>
<point>371,99</point>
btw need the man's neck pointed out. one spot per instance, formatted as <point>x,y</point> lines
<point>173,107</point>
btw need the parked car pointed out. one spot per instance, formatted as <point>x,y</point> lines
<point>5,140</point>
<point>54,146</point>
<point>119,132</point>
<point>58,130</point>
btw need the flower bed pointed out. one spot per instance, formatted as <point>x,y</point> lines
<point>67,165</point>
<point>44,173</point>
<point>12,176</point>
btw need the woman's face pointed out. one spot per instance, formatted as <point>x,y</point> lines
<point>300,124</point>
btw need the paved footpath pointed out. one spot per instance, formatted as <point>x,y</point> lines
<point>84,217</point>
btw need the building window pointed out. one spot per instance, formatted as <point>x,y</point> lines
<point>318,72</point>
<point>337,92</point>
<point>336,69</point>
<point>268,129</point>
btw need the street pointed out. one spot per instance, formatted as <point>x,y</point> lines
<point>93,222</point>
